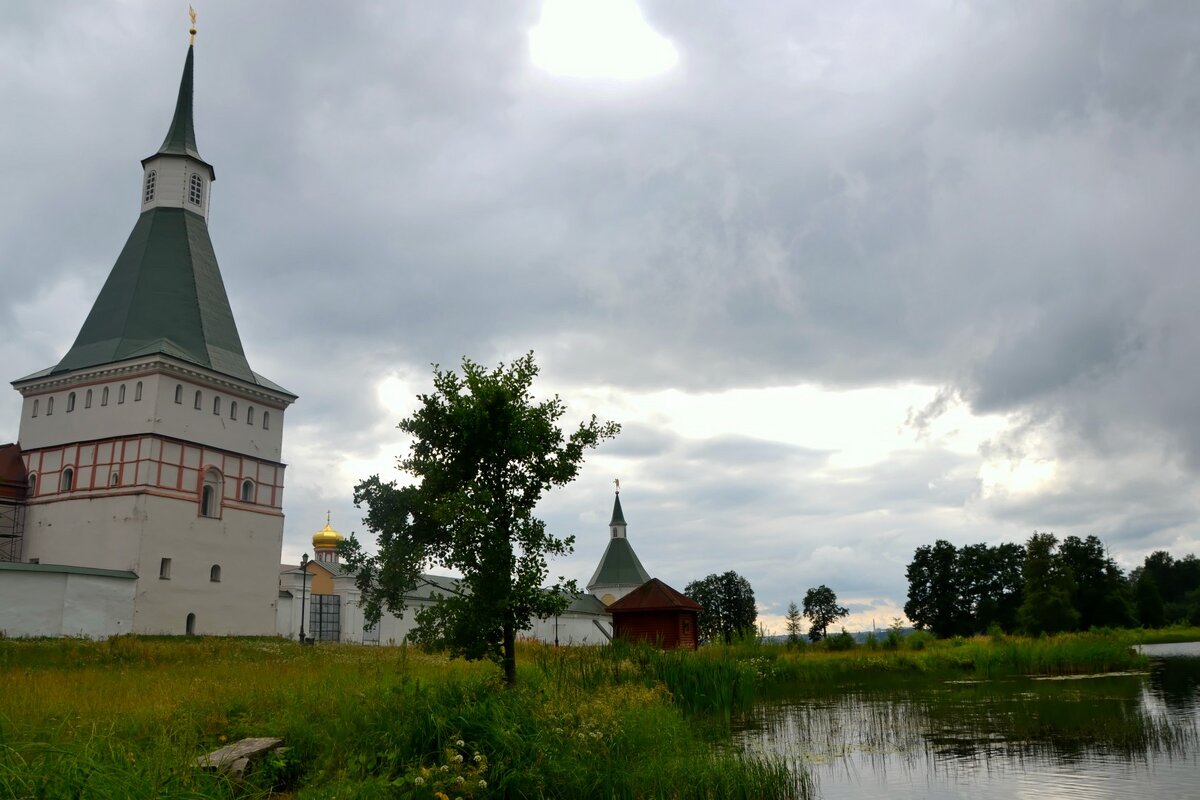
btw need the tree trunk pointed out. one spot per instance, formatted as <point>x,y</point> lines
<point>510,654</point>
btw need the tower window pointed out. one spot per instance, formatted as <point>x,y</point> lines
<point>266,421</point>
<point>199,400</point>
<point>233,409</point>
<point>179,393</point>
<point>217,406</point>
<point>49,406</point>
<point>137,392</point>
<point>249,415</point>
<point>247,491</point>
<point>121,394</point>
<point>196,191</point>
<point>164,569</point>
<point>104,397</point>
<point>70,402</point>
<point>214,574</point>
<point>210,494</point>
<point>87,399</point>
<point>67,480</point>
<point>32,490</point>
<point>36,403</point>
<point>115,479</point>
<point>151,181</point>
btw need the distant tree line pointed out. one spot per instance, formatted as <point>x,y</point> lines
<point>1046,586</point>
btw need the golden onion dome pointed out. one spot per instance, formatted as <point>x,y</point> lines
<point>327,538</point>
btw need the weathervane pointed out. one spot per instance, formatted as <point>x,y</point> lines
<point>617,483</point>
<point>192,30</point>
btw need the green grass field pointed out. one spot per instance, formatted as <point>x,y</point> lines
<point>126,717</point>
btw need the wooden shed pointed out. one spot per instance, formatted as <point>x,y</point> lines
<point>656,613</point>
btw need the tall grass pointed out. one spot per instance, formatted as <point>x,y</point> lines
<point>125,718</point>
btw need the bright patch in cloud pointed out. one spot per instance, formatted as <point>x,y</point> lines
<point>599,39</point>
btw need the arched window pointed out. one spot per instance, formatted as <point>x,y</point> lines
<point>214,574</point>
<point>67,480</point>
<point>199,400</point>
<point>137,392</point>
<point>151,180</point>
<point>115,479</point>
<point>36,403</point>
<point>104,396</point>
<point>210,494</point>
<point>266,420</point>
<point>49,406</point>
<point>196,191</point>
<point>121,394</point>
<point>87,399</point>
<point>247,491</point>
<point>233,409</point>
<point>190,625</point>
<point>217,405</point>
<point>32,490</point>
<point>249,415</point>
<point>70,402</point>
<point>179,393</point>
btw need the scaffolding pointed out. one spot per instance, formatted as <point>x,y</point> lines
<point>12,528</point>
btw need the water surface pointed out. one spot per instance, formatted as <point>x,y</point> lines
<point>1108,736</point>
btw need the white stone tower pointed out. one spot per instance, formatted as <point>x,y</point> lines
<point>152,446</point>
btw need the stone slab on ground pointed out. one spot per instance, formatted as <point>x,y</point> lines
<point>236,758</point>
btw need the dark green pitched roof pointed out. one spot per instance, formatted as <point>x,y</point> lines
<point>164,296</point>
<point>618,516</point>
<point>619,566</point>
<point>181,136</point>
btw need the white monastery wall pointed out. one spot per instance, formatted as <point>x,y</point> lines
<point>48,603</point>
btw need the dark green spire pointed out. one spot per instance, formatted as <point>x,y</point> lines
<point>164,295</point>
<point>181,136</point>
<point>619,566</point>
<point>618,516</point>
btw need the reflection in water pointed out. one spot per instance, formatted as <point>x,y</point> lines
<point>1097,737</point>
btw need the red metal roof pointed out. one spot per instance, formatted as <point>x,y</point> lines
<point>13,480</point>
<point>654,595</point>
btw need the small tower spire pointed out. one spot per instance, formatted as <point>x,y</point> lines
<point>617,525</point>
<point>181,136</point>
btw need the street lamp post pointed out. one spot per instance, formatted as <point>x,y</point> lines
<point>303,591</point>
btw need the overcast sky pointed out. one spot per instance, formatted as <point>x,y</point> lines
<point>852,276</point>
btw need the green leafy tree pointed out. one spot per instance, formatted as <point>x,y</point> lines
<point>1101,594</point>
<point>934,591</point>
<point>1150,609</point>
<point>822,610</point>
<point>1049,585</point>
<point>483,452</point>
<point>728,606</point>
<point>793,623</point>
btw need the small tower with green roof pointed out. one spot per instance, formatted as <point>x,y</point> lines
<point>151,446</point>
<point>619,571</point>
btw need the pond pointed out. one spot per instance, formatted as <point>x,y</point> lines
<point>1101,736</point>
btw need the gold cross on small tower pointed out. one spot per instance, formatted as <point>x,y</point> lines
<point>617,483</point>
<point>192,30</point>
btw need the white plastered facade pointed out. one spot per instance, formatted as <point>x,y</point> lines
<point>133,500</point>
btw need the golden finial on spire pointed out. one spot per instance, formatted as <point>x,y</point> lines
<point>192,30</point>
<point>617,483</point>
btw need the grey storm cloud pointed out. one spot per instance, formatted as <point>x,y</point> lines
<point>992,199</point>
